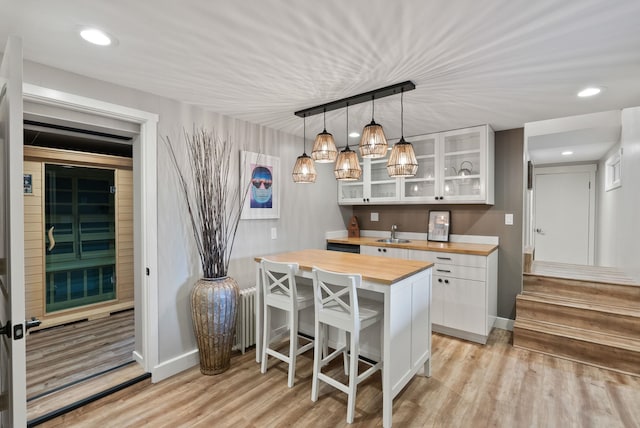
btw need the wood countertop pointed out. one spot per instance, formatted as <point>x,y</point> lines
<point>415,244</point>
<point>384,270</point>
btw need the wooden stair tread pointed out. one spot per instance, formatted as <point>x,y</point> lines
<point>60,398</point>
<point>578,334</point>
<point>597,274</point>
<point>579,303</point>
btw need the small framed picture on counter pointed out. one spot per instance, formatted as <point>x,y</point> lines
<point>439,222</point>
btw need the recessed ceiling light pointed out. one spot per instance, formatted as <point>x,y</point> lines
<point>95,36</point>
<point>354,135</point>
<point>567,153</point>
<point>589,92</point>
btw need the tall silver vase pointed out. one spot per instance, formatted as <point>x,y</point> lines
<point>214,304</point>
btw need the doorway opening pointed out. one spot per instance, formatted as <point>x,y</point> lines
<point>79,258</point>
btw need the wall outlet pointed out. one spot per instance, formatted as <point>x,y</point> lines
<point>374,217</point>
<point>274,233</point>
<point>508,219</point>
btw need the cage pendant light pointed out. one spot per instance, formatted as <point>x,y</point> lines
<point>324,148</point>
<point>373,143</point>
<point>347,167</point>
<point>402,161</point>
<point>304,171</point>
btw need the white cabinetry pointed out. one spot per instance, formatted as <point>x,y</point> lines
<point>453,167</point>
<point>375,185</point>
<point>465,297</point>
<point>399,253</point>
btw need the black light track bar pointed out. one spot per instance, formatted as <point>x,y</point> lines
<point>357,99</point>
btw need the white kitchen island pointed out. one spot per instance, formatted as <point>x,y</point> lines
<point>405,288</point>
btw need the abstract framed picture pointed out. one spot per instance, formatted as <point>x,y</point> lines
<point>261,175</point>
<point>439,222</point>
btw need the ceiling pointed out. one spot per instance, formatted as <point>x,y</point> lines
<point>501,62</point>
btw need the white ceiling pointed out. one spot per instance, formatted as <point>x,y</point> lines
<point>502,62</point>
<point>588,137</point>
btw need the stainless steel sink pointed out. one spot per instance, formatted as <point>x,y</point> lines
<point>393,241</point>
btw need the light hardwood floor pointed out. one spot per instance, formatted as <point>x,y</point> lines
<point>472,386</point>
<point>61,355</point>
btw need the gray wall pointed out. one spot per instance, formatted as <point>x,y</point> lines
<point>477,219</point>
<point>306,211</point>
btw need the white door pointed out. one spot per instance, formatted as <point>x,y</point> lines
<point>564,214</point>
<point>12,344</point>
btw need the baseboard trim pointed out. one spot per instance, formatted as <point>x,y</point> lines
<point>138,358</point>
<point>504,324</point>
<point>175,365</point>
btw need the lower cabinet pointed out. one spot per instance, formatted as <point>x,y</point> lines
<point>465,299</point>
<point>399,253</point>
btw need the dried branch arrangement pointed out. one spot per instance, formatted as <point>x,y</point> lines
<point>214,204</point>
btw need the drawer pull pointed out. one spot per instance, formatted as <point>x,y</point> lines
<point>443,270</point>
<point>443,258</point>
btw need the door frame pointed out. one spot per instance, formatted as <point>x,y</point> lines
<point>571,169</point>
<point>145,209</point>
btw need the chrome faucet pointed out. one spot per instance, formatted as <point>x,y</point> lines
<point>394,228</point>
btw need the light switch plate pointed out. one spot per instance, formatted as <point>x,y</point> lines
<point>374,216</point>
<point>274,233</point>
<point>508,219</point>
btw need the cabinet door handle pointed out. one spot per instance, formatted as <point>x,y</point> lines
<point>446,281</point>
<point>384,250</point>
<point>439,279</point>
<point>443,270</point>
<point>443,258</point>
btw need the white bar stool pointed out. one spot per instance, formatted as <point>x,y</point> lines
<point>280,291</point>
<point>337,305</point>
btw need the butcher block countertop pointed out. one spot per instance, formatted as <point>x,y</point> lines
<point>372,268</point>
<point>415,244</point>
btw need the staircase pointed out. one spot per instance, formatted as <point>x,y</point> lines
<point>582,313</point>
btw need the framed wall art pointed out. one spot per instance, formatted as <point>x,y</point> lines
<point>439,222</point>
<point>261,174</point>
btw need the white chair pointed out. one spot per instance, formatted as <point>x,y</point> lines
<point>337,305</point>
<point>280,291</point>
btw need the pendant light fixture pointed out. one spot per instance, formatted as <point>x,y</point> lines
<point>347,166</point>
<point>402,161</point>
<point>324,147</point>
<point>373,143</point>
<point>304,171</point>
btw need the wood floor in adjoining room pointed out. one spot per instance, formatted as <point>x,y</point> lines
<point>472,385</point>
<point>62,355</point>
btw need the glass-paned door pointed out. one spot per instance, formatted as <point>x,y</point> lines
<point>462,163</point>
<point>383,187</point>
<point>80,241</point>
<point>422,186</point>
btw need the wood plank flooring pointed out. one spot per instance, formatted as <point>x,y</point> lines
<point>472,385</point>
<point>580,272</point>
<point>65,354</point>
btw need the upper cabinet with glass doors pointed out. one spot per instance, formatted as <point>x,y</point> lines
<point>374,187</point>
<point>454,167</point>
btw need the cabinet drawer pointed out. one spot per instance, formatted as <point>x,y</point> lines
<point>462,272</point>
<point>456,259</point>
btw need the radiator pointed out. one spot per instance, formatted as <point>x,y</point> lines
<point>246,321</point>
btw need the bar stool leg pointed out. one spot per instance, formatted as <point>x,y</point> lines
<point>265,338</point>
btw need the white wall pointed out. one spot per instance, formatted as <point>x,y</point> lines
<point>629,229</point>
<point>618,236</point>
<point>607,217</point>
<point>306,211</point>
